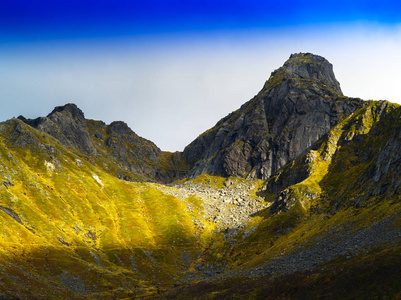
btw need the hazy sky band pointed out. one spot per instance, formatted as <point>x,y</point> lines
<point>43,20</point>
<point>172,69</point>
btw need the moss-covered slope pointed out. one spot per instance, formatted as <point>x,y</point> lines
<point>81,216</point>
<point>71,230</point>
<point>333,229</point>
<point>115,147</point>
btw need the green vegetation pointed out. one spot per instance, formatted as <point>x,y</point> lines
<point>83,232</point>
<point>373,276</point>
<point>72,229</point>
<point>337,197</point>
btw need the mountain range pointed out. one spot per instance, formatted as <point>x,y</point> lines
<point>295,195</point>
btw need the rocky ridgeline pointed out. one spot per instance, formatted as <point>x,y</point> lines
<point>229,207</point>
<point>298,105</point>
<point>115,146</point>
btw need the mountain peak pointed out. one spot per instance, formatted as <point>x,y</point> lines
<point>307,67</point>
<point>298,105</point>
<point>70,108</point>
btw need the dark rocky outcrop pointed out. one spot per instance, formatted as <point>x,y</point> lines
<point>67,124</point>
<point>119,149</point>
<point>355,164</point>
<point>137,158</point>
<point>299,104</point>
<point>131,152</point>
<point>116,147</point>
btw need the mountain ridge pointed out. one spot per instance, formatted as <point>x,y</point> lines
<point>134,158</point>
<point>296,194</point>
<point>300,99</point>
<point>299,103</point>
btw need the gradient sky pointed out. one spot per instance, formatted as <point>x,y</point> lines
<point>172,69</point>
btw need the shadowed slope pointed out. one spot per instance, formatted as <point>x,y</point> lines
<point>333,229</point>
<point>328,222</point>
<point>71,230</point>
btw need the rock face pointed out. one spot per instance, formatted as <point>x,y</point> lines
<point>299,103</point>
<point>115,146</point>
<point>356,163</point>
<point>127,147</point>
<point>131,152</point>
<point>67,124</point>
<point>134,154</point>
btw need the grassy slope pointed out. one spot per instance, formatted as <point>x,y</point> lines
<point>134,158</point>
<point>334,200</point>
<point>69,229</point>
<point>72,230</point>
<point>375,275</point>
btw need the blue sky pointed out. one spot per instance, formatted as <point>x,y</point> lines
<point>172,69</point>
<point>68,19</point>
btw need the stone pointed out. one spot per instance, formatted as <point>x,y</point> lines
<point>137,158</point>
<point>67,124</point>
<point>298,105</point>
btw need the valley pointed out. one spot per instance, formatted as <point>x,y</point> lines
<point>296,195</point>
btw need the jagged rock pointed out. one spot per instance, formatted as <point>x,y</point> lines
<point>298,170</point>
<point>20,136</point>
<point>369,163</point>
<point>11,213</point>
<point>120,149</point>
<point>131,151</point>
<point>300,103</point>
<point>8,184</point>
<point>311,67</point>
<point>284,202</point>
<point>67,124</point>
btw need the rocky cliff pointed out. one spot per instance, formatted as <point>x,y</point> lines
<point>115,146</point>
<point>67,124</point>
<point>299,104</point>
<point>324,222</point>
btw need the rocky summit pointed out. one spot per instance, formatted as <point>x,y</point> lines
<point>298,105</point>
<point>295,195</point>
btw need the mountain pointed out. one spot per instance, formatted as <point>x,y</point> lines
<point>115,146</point>
<point>296,195</point>
<point>299,104</point>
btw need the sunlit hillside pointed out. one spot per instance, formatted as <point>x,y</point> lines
<point>70,229</point>
<point>301,201</point>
